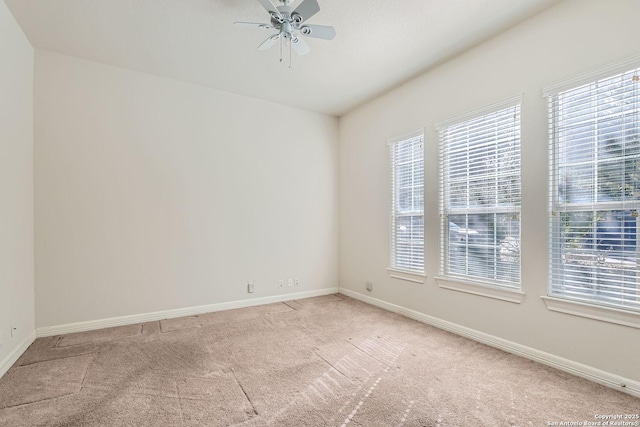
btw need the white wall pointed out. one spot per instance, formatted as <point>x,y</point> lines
<point>153,194</point>
<point>16,187</point>
<point>571,38</point>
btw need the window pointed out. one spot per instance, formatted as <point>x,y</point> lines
<point>480,197</point>
<point>407,211</point>
<point>595,191</point>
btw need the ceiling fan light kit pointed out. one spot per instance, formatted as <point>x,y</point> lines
<point>291,24</point>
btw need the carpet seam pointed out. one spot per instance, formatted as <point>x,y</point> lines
<point>96,342</point>
<point>84,376</point>
<point>332,366</point>
<point>179,402</point>
<point>291,307</point>
<point>235,377</point>
<point>38,401</point>
<point>57,341</point>
<point>51,360</point>
<point>55,358</point>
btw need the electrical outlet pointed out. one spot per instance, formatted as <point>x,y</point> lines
<point>13,330</point>
<point>290,282</point>
<point>251,286</point>
<point>296,282</point>
<point>281,283</point>
<point>369,286</point>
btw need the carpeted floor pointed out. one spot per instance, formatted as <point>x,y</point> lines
<point>325,361</point>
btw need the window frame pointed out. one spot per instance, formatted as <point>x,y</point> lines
<point>463,283</point>
<point>399,272</point>
<point>565,303</point>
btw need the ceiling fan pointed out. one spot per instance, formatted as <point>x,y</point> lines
<point>291,24</point>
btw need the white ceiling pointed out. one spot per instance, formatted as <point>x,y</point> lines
<point>380,43</point>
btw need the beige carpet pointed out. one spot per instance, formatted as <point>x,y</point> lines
<point>325,361</point>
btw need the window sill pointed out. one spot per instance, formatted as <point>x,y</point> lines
<point>476,288</point>
<point>407,275</point>
<point>583,309</point>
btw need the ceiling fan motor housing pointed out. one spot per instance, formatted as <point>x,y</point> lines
<point>287,22</point>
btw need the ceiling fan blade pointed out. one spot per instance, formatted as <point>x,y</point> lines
<point>269,42</point>
<point>271,8</point>
<point>300,46</point>
<point>318,31</point>
<point>253,24</point>
<point>307,9</point>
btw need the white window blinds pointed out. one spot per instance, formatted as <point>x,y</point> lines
<point>595,191</point>
<point>407,211</point>
<point>480,198</point>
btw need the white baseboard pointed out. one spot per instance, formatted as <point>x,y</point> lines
<point>91,325</point>
<point>599,376</point>
<point>12,357</point>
